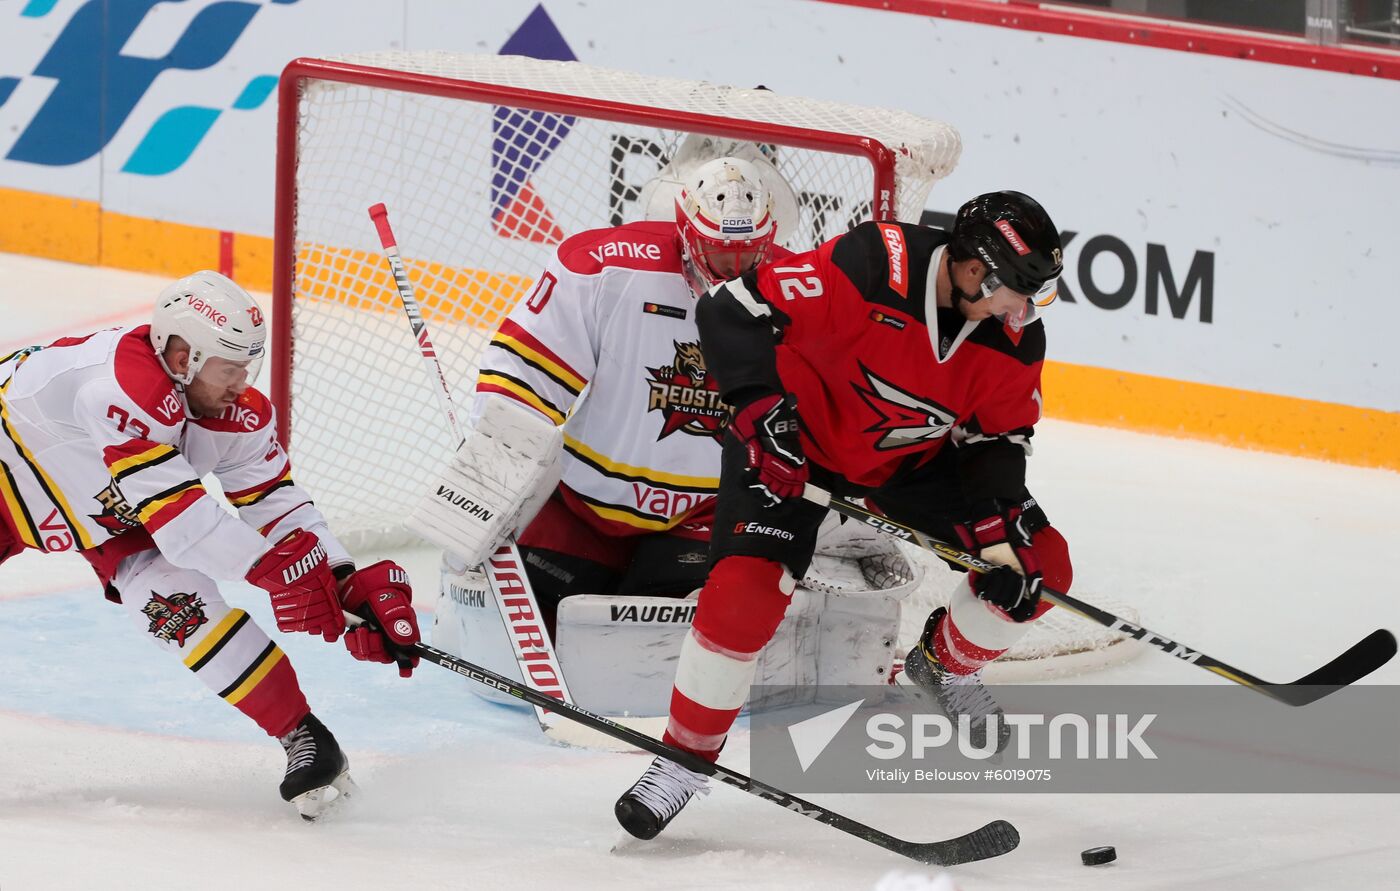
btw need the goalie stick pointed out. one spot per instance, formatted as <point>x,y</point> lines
<point>992,840</point>
<point>1370,653</point>
<point>504,570</point>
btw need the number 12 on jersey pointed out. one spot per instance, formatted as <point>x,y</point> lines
<point>798,281</point>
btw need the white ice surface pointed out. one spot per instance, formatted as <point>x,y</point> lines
<point>117,769</point>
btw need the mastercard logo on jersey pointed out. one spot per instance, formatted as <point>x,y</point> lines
<point>883,319</point>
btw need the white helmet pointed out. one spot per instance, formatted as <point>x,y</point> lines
<point>725,218</point>
<point>657,200</point>
<point>215,317</point>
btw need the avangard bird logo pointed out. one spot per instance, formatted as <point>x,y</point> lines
<point>904,419</point>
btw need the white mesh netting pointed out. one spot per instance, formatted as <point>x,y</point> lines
<point>479,193</point>
<point>1059,643</point>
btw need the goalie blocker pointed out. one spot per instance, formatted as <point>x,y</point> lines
<point>499,476</point>
<point>619,652</point>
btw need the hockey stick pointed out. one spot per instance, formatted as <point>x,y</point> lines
<point>992,840</point>
<point>1366,656</point>
<point>504,570</point>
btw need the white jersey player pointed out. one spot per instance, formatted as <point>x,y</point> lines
<point>106,438</point>
<point>614,312</point>
<point>606,348</point>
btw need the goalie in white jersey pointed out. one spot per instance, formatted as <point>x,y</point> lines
<point>105,440</point>
<point>619,502</point>
<point>613,312</point>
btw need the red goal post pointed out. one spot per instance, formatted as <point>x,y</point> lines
<point>486,163</point>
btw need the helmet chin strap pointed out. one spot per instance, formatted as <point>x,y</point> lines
<point>959,295</point>
<point>180,382</point>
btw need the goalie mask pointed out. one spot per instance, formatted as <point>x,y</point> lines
<point>216,317</point>
<point>724,214</point>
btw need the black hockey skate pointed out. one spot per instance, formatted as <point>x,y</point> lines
<point>656,798</point>
<point>318,773</point>
<point>957,694</point>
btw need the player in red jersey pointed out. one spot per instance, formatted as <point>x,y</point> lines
<point>899,363</point>
<point>105,440</point>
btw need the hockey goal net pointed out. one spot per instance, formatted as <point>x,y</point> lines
<point>486,163</point>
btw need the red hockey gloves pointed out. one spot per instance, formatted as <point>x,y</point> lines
<point>767,427</point>
<point>381,595</point>
<point>303,590</point>
<point>1002,538</point>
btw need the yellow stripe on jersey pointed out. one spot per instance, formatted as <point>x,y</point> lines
<point>153,453</point>
<point>618,515</point>
<point>564,376</point>
<point>254,497</point>
<point>645,474</point>
<point>152,507</point>
<point>214,638</point>
<point>269,662</point>
<point>523,393</point>
<point>54,493</point>
<point>24,523</point>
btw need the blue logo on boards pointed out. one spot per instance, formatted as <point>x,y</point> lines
<point>96,87</point>
<point>521,140</point>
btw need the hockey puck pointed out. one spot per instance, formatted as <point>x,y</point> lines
<point>1098,856</point>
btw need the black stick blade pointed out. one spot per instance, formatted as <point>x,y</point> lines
<point>1370,653</point>
<point>996,838</point>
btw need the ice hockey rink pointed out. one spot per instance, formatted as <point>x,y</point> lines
<point>120,771</point>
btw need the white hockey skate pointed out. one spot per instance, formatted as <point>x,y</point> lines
<point>318,773</point>
<point>655,799</point>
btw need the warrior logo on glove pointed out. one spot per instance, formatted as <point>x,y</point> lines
<point>380,594</point>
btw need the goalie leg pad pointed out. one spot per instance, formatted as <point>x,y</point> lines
<point>467,624</point>
<point>499,476</point>
<point>620,651</point>
<point>856,641</point>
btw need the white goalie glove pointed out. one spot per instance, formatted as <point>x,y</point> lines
<point>852,558</point>
<point>497,480</point>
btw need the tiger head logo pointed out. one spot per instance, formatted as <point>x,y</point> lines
<point>685,394</point>
<point>689,361</point>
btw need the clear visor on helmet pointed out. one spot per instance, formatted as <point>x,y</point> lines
<point>1017,308</point>
<point>228,373</point>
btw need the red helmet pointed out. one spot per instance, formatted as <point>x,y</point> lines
<point>724,215</point>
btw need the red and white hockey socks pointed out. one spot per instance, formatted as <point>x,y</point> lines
<point>740,608</point>
<point>227,651</point>
<point>974,632</point>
